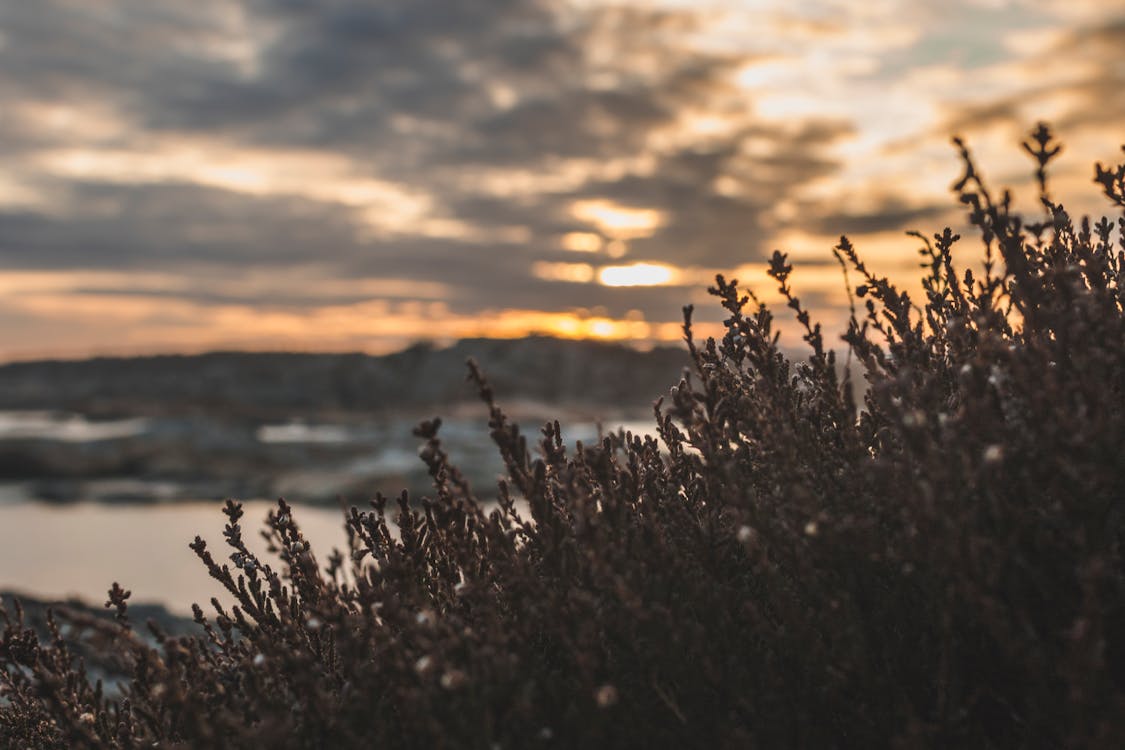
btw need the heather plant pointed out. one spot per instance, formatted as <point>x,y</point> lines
<point>937,563</point>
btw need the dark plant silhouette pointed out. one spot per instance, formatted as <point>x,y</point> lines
<point>939,566</point>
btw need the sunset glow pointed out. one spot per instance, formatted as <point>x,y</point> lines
<point>616,220</point>
<point>272,181</point>
<point>582,242</point>
<point>637,274</point>
<point>579,273</point>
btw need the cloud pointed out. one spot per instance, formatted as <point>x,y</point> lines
<point>172,226</point>
<point>462,144</point>
<point>886,214</point>
<point>499,117</point>
<point>1079,77</point>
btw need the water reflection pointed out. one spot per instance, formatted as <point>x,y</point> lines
<point>79,550</point>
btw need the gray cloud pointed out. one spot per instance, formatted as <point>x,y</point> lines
<point>172,226</point>
<point>1095,95</point>
<point>1103,90</point>
<point>427,93</point>
<point>889,214</point>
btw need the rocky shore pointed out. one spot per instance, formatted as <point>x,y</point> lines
<point>310,427</point>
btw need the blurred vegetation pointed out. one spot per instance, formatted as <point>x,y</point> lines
<point>937,566</point>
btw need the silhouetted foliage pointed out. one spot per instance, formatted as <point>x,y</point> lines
<point>939,566</point>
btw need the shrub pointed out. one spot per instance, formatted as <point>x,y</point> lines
<point>940,566</point>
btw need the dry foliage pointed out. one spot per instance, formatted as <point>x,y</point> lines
<point>939,566</point>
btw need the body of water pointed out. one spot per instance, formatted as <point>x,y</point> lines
<point>64,549</point>
<point>59,551</point>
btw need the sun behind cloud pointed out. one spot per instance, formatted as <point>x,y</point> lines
<point>637,274</point>
<point>173,168</point>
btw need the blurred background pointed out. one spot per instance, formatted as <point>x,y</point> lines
<point>245,246</point>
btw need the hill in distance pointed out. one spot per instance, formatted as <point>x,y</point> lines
<point>311,427</point>
<point>272,385</point>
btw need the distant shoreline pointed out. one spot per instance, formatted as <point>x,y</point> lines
<point>273,384</point>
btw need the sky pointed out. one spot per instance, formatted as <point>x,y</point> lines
<point>358,175</point>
